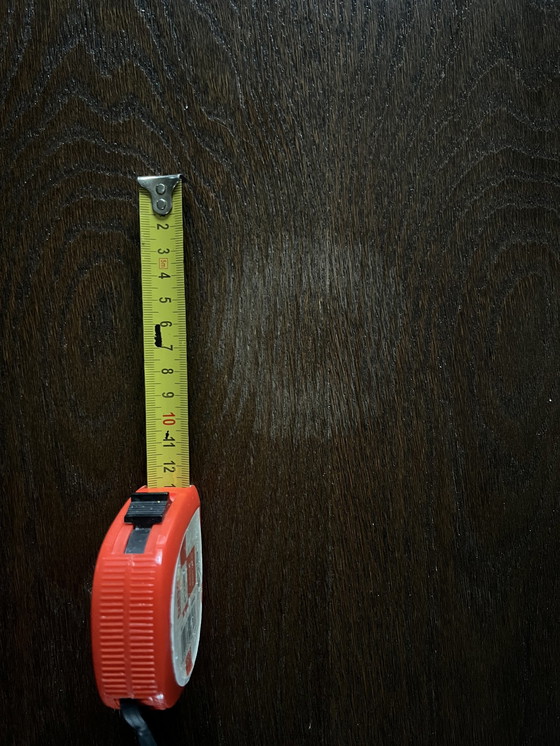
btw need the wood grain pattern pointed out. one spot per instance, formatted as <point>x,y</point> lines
<point>373,306</point>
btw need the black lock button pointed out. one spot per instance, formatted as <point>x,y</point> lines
<point>145,510</point>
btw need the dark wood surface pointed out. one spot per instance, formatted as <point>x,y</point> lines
<point>373,310</point>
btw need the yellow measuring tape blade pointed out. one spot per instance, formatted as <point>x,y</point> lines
<point>165,343</point>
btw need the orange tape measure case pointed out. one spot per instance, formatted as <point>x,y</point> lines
<point>147,599</point>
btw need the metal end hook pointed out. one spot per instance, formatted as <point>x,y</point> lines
<point>161,190</point>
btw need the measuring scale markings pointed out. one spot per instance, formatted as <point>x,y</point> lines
<point>165,346</point>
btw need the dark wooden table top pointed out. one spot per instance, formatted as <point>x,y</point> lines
<point>372,251</point>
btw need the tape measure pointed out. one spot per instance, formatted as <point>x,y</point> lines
<point>147,586</point>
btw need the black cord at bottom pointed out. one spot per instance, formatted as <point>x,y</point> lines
<point>130,711</point>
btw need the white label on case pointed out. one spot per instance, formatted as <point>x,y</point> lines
<point>186,602</point>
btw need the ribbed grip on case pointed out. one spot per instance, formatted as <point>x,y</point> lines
<point>127,627</point>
